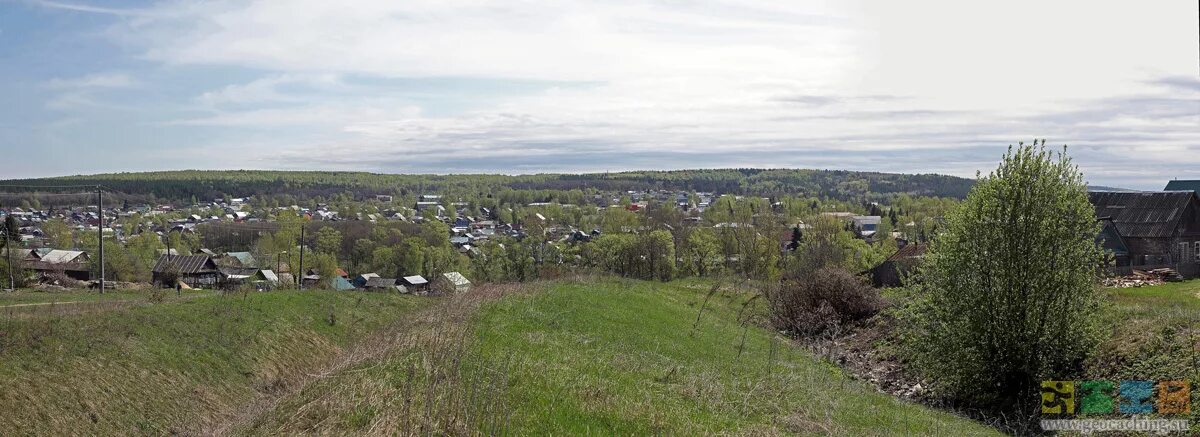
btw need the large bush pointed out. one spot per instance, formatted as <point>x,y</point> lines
<point>1010,295</point>
<point>822,302</point>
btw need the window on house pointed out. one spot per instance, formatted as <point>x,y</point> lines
<point>1196,251</point>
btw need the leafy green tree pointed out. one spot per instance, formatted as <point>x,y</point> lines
<point>828,244</point>
<point>144,249</point>
<point>658,254</point>
<point>360,255</point>
<point>329,241</point>
<point>326,266</point>
<point>616,220</point>
<point>11,230</point>
<point>702,255</point>
<point>1009,291</point>
<point>519,264</point>
<point>384,262</point>
<point>58,234</point>
<point>487,265</point>
<point>411,256</point>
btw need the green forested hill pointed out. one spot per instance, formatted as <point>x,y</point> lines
<point>203,184</point>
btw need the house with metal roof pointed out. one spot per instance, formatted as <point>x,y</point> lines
<point>236,259</point>
<point>71,263</point>
<point>1155,228</point>
<point>1192,185</point>
<point>891,272</point>
<point>361,280</point>
<point>341,284</point>
<point>415,283</point>
<point>865,226</point>
<point>194,270</point>
<point>455,281</point>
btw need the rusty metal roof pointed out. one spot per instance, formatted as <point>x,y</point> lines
<point>1153,214</point>
<point>187,264</point>
<point>909,251</point>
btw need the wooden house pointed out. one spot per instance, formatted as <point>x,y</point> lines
<point>195,270</point>
<point>416,284</point>
<point>1156,229</point>
<point>70,263</point>
<point>890,272</point>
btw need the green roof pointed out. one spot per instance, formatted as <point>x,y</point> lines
<point>1183,185</point>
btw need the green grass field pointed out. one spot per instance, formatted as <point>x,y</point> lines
<point>594,356</point>
<point>182,366</point>
<point>27,296</point>
<point>1155,333</point>
<point>1155,336</point>
<point>602,357</point>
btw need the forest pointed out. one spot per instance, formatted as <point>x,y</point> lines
<point>188,186</point>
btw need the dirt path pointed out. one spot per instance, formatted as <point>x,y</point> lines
<point>449,314</point>
<point>68,302</point>
<point>70,307</point>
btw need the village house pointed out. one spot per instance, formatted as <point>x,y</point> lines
<point>891,272</point>
<point>454,281</point>
<point>865,226</point>
<point>416,284</point>
<point>384,285</point>
<point>73,264</point>
<point>1152,229</point>
<point>361,280</point>
<point>194,270</point>
<point>430,207</point>
<point>1183,185</point>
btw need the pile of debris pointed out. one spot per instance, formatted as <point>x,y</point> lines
<point>1141,278</point>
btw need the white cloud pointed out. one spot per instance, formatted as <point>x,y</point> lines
<point>87,8</point>
<point>715,78</point>
<point>97,80</point>
<point>267,89</point>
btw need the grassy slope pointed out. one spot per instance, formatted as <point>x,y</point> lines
<point>176,366</point>
<point>37,296</point>
<point>623,357</point>
<point>1155,335</point>
<point>604,357</point>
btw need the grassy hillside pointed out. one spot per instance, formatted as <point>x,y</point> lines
<point>178,366</point>
<point>1155,336</point>
<point>598,357</point>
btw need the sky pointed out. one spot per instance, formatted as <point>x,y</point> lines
<point>517,86</point>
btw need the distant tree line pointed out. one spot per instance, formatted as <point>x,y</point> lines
<point>191,185</point>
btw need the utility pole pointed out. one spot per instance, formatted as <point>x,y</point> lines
<point>12,279</point>
<point>300,272</point>
<point>100,231</point>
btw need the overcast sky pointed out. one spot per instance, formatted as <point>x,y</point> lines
<point>514,86</point>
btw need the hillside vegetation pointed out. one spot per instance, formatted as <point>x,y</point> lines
<point>590,355</point>
<point>206,184</point>
<point>601,357</point>
<point>179,366</point>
